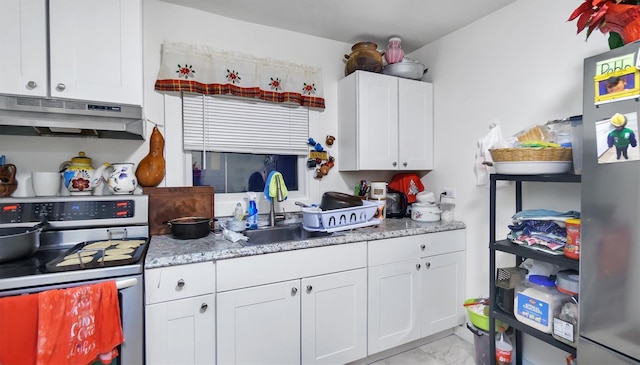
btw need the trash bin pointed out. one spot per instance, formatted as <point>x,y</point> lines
<point>481,344</point>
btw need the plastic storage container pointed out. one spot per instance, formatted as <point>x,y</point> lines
<point>537,301</point>
<point>565,324</point>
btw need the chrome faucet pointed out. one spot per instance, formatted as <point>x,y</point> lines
<point>280,197</point>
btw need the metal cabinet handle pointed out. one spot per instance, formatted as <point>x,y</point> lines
<point>404,164</point>
<point>428,265</point>
<point>309,288</point>
<point>394,164</point>
<point>61,87</point>
<point>294,290</point>
<point>32,85</point>
<point>417,266</point>
<point>180,283</point>
<point>423,246</point>
<point>203,307</point>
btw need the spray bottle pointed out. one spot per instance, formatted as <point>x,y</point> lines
<point>252,211</point>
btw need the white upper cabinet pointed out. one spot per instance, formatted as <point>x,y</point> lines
<point>385,123</point>
<point>95,49</point>
<point>23,40</point>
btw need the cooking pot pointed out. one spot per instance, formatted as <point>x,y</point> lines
<point>16,243</point>
<point>188,228</point>
<point>335,200</point>
<point>425,212</point>
<point>407,68</point>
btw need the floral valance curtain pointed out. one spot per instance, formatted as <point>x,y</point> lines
<point>204,70</point>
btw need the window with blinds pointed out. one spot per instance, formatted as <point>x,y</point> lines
<point>221,124</point>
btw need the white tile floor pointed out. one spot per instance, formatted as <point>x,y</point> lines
<point>450,350</point>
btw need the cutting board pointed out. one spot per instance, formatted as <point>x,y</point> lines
<point>174,202</point>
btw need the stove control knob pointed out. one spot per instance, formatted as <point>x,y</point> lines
<point>180,283</point>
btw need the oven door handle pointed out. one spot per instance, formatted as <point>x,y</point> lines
<point>126,283</point>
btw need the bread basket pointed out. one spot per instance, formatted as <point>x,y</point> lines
<point>531,154</point>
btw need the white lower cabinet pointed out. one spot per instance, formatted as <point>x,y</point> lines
<point>318,316</point>
<point>180,320</point>
<point>416,287</point>
<point>325,305</point>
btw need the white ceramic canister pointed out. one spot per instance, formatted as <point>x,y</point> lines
<point>425,212</point>
<point>378,190</point>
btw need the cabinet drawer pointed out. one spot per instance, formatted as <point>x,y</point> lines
<point>177,282</point>
<point>255,270</point>
<point>410,247</point>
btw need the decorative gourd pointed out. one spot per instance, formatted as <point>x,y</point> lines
<point>151,169</point>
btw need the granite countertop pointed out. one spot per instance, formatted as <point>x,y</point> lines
<point>167,251</point>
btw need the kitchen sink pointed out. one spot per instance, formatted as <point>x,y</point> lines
<point>289,232</point>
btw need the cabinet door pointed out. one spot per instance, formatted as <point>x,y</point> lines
<point>415,125</point>
<point>23,41</point>
<point>394,294</point>
<point>181,331</point>
<point>377,118</point>
<point>260,325</point>
<point>334,318</point>
<point>442,292</point>
<point>96,50</point>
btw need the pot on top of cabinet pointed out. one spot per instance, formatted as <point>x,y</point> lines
<point>80,178</point>
<point>364,56</point>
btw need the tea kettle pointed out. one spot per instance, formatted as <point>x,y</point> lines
<point>80,178</point>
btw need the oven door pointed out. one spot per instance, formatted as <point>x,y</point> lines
<point>130,295</point>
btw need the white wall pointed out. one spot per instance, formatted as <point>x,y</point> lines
<point>517,67</point>
<point>196,27</point>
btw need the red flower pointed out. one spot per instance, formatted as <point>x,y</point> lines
<point>591,14</point>
<point>309,89</point>
<point>80,184</point>
<point>185,71</point>
<point>233,76</point>
<point>275,84</point>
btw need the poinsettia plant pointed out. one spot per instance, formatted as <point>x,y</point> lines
<point>606,16</point>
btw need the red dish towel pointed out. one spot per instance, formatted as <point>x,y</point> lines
<point>407,183</point>
<point>18,329</point>
<point>77,325</point>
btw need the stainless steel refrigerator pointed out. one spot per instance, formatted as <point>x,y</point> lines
<point>609,325</point>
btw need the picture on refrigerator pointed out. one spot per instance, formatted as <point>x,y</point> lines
<point>617,138</point>
<point>616,79</point>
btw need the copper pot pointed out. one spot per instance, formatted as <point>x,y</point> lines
<point>364,56</point>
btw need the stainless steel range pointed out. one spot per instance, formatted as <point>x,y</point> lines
<point>75,222</point>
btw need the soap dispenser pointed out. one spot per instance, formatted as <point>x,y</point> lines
<point>252,211</point>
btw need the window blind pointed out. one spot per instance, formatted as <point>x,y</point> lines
<point>220,124</point>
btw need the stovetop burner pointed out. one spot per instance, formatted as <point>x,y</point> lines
<point>33,265</point>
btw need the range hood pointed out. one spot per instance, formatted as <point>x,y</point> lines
<point>29,116</point>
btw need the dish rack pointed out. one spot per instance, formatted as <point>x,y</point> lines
<point>315,219</point>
